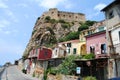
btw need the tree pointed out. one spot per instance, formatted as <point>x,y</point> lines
<point>90,23</point>
<point>86,25</point>
<point>68,67</point>
<point>83,27</point>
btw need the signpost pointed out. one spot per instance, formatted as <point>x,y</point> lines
<point>78,71</point>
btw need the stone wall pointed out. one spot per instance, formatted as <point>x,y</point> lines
<point>62,77</point>
<point>67,16</point>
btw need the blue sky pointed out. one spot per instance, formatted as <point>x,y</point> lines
<point>17,19</point>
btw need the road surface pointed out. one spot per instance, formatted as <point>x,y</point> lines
<point>12,73</point>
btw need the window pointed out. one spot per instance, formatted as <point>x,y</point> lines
<point>69,50</point>
<point>101,28</point>
<point>56,52</point>
<point>68,44</point>
<point>103,48</point>
<point>74,51</point>
<point>111,15</point>
<point>92,49</point>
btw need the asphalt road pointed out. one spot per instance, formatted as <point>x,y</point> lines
<point>12,73</point>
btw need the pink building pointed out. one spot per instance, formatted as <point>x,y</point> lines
<point>96,43</point>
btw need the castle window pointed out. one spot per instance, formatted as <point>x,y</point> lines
<point>76,17</point>
<point>58,15</point>
<point>52,13</point>
<point>63,15</point>
<point>70,16</point>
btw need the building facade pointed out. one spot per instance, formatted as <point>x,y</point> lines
<point>96,43</point>
<point>112,14</point>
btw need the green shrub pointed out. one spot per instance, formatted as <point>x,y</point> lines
<point>47,18</point>
<point>61,21</point>
<point>89,56</point>
<point>89,78</point>
<point>33,75</point>
<point>24,71</point>
<point>53,21</point>
<point>53,71</point>
<point>68,67</point>
<point>64,26</point>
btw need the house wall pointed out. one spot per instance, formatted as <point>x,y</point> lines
<point>116,39</point>
<point>55,53</point>
<point>76,46</point>
<point>96,41</point>
<point>110,22</point>
<point>45,54</point>
<point>115,36</point>
<point>20,64</point>
<point>82,50</point>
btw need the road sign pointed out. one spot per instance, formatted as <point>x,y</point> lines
<point>78,70</point>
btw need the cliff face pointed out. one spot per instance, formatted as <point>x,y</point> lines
<point>46,33</point>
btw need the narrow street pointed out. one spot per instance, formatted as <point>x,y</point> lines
<point>12,73</point>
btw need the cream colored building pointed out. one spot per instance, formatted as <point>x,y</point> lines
<point>66,48</point>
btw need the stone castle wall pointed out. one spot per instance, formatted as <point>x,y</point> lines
<point>67,16</point>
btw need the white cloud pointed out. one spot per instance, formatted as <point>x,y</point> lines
<point>7,11</point>
<point>9,32</point>
<point>23,5</point>
<point>11,15</point>
<point>91,16</point>
<point>99,6</point>
<point>53,3</point>
<point>3,5</point>
<point>4,23</point>
<point>68,6</point>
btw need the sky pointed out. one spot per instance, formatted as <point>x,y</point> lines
<point>18,17</point>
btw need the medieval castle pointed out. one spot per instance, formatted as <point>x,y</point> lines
<point>61,15</point>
